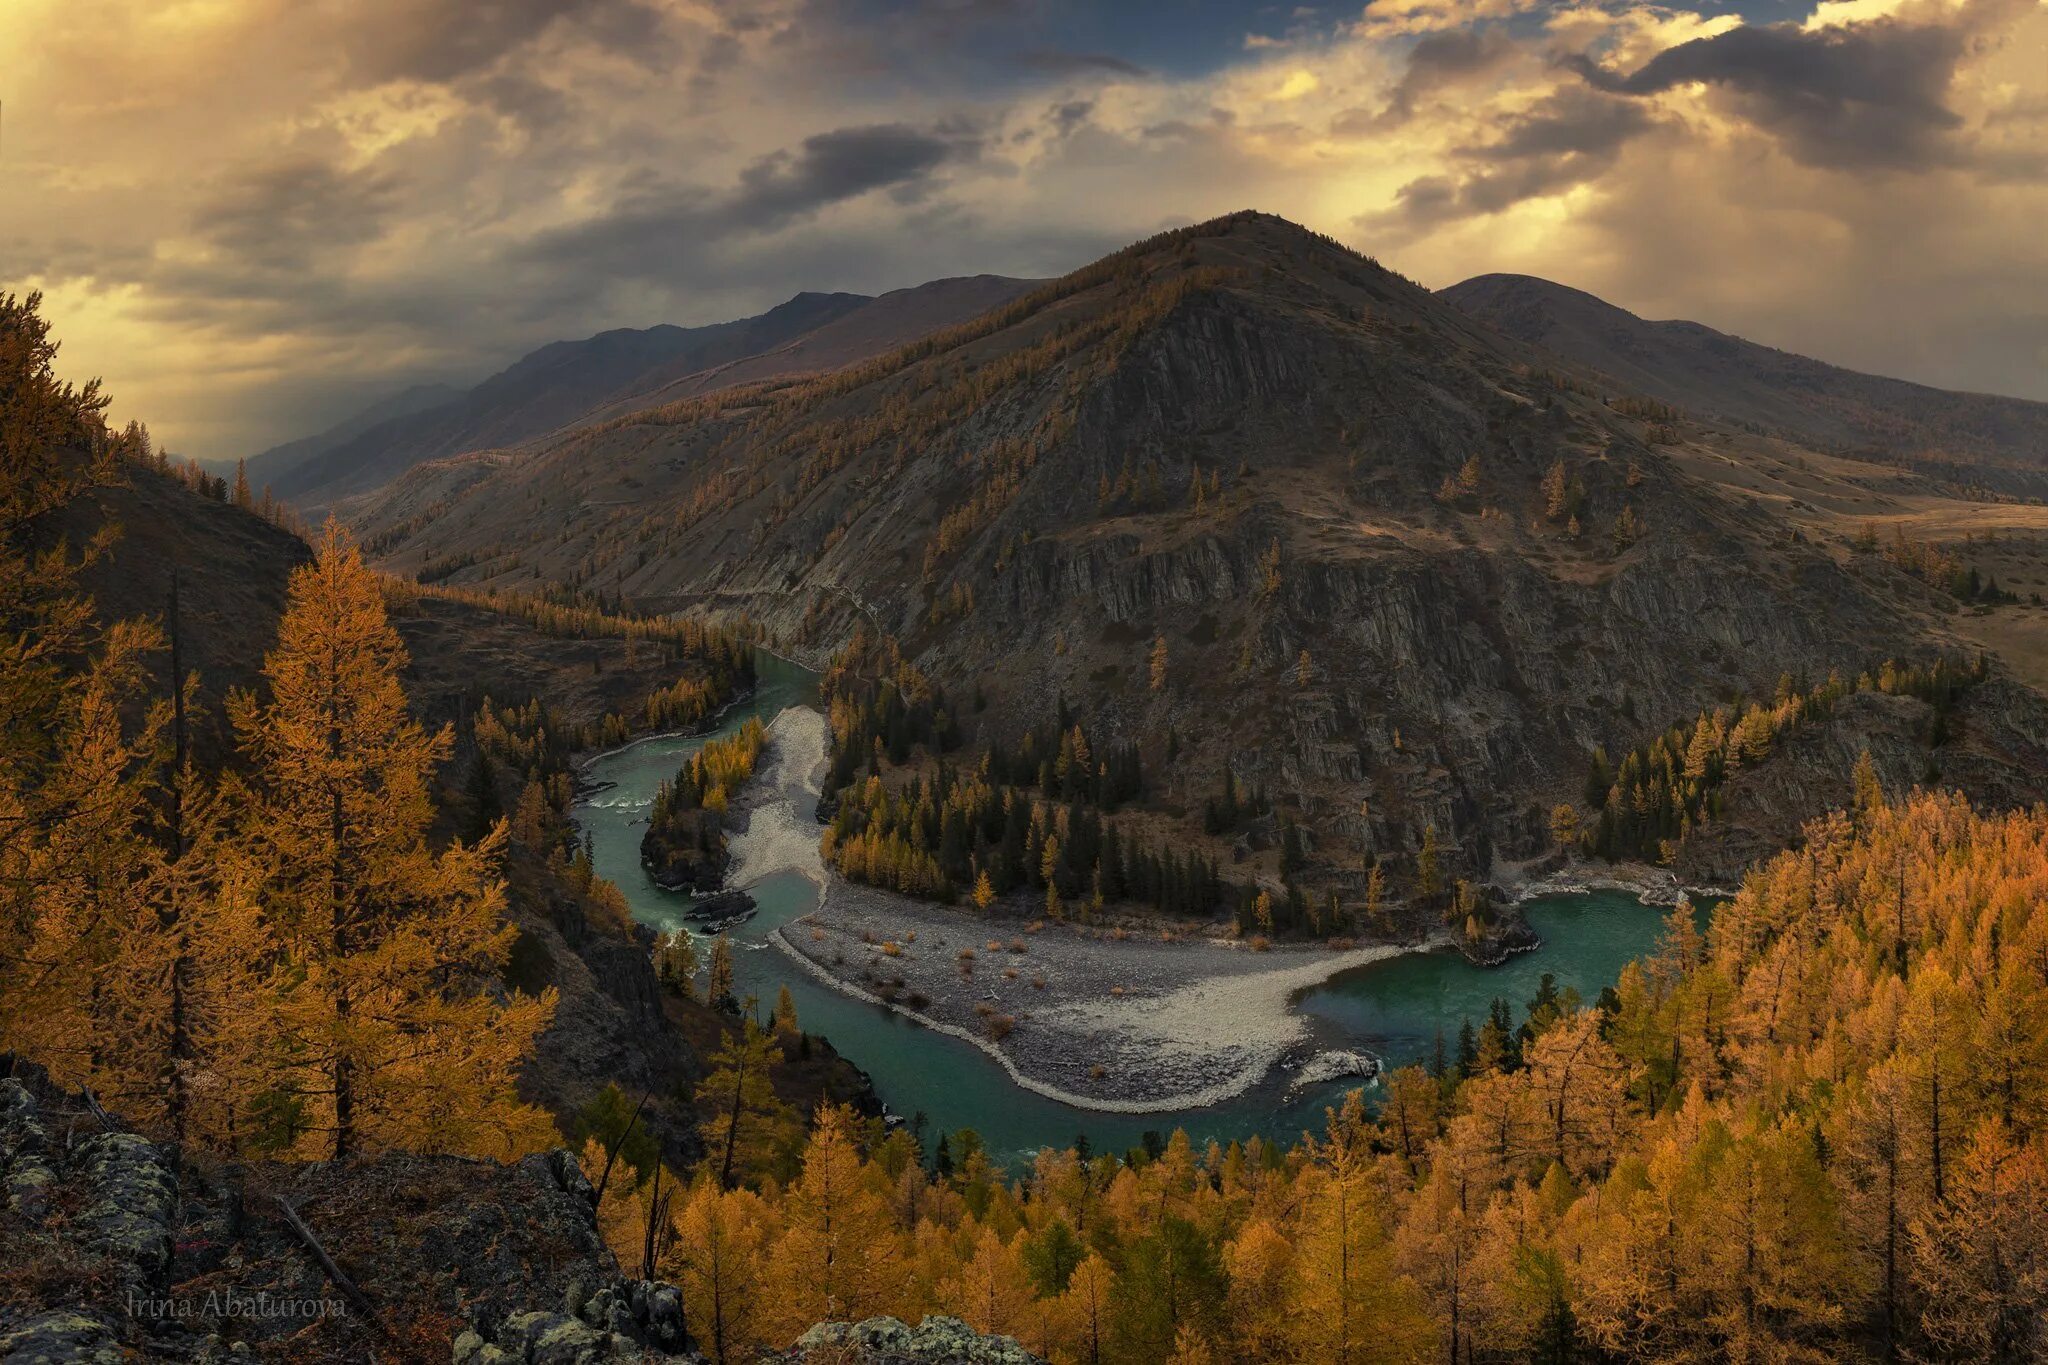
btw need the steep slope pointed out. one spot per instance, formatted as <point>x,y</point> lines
<point>542,391</point>
<point>1320,486</point>
<point>1725,377</point>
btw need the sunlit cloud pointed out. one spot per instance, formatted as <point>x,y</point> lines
<point>251,215</point>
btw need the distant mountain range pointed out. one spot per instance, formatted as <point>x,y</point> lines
<point>1721,377</point>
<point>611,374</point>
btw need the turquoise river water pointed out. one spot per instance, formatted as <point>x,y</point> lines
<point>1395,1008</point>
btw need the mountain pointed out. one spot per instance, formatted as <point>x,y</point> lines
<point>1727,378</point>
<point>617,372</point>
<point>279,460</point>
<point>880,325</point>
<point>1322,487</point>
<point>539,392</point>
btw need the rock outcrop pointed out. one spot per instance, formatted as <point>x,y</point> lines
<point>112,1252</point>
<point>886,1341</point>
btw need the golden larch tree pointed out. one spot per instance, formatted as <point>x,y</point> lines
<point>389,1032</point>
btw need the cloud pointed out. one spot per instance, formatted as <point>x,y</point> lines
<point>1441,60</point>
<point>442,40</point>
<point>1568,139</point>
<point>284,215</point>
<point>839,165</point>
<point>250,213</point>
<point>1054,62</point>
<point>1868,95</point>
<point>1391,18</point>
<point>655,231</point>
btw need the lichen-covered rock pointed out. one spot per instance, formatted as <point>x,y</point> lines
<point>637,1321</point>
<point>60,1337</point>
<point>134,1197</point>
<point>937,1340</point>
<point>26,1175</point>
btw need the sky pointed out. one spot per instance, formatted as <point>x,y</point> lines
<point>252,217</point>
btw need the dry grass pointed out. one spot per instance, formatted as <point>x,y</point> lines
<point>2018,635</point>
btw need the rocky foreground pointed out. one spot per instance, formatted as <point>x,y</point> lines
<point>111,1250</point>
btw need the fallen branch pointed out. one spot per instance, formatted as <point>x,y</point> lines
<point>334,1272</point>
<point>100,1116</point>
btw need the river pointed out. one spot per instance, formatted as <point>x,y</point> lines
<point>1394,1008</point>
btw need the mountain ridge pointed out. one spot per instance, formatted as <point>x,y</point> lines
<point>1722,376</point>
<point>612,372</point>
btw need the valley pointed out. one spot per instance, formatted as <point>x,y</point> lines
<point>1224,766</point>
<point>939,1068</point>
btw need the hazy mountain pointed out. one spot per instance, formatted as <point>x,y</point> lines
<point>1367,606</point>
<point>542,391</point>
<point>279,460</point>
<point>1721,376</point>
<point>621,371</point>
<point>883,323</point>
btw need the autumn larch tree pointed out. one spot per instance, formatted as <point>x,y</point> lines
<point>741,1117</point>
<point>388,1029</point>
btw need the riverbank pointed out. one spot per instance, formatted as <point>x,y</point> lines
<point>1390,1013</point>
<point>1120,1025</point>
<point>1099,1019</point>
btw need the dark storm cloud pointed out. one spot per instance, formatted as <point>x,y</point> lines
<point>1437,61</point>
<point>1866,95</point>
<point>1567,124</point>
<point>1567,139</point>
<point>443,40</point>
<point>286,215</point>
<point>654,232</point>
<point>837,165</point>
